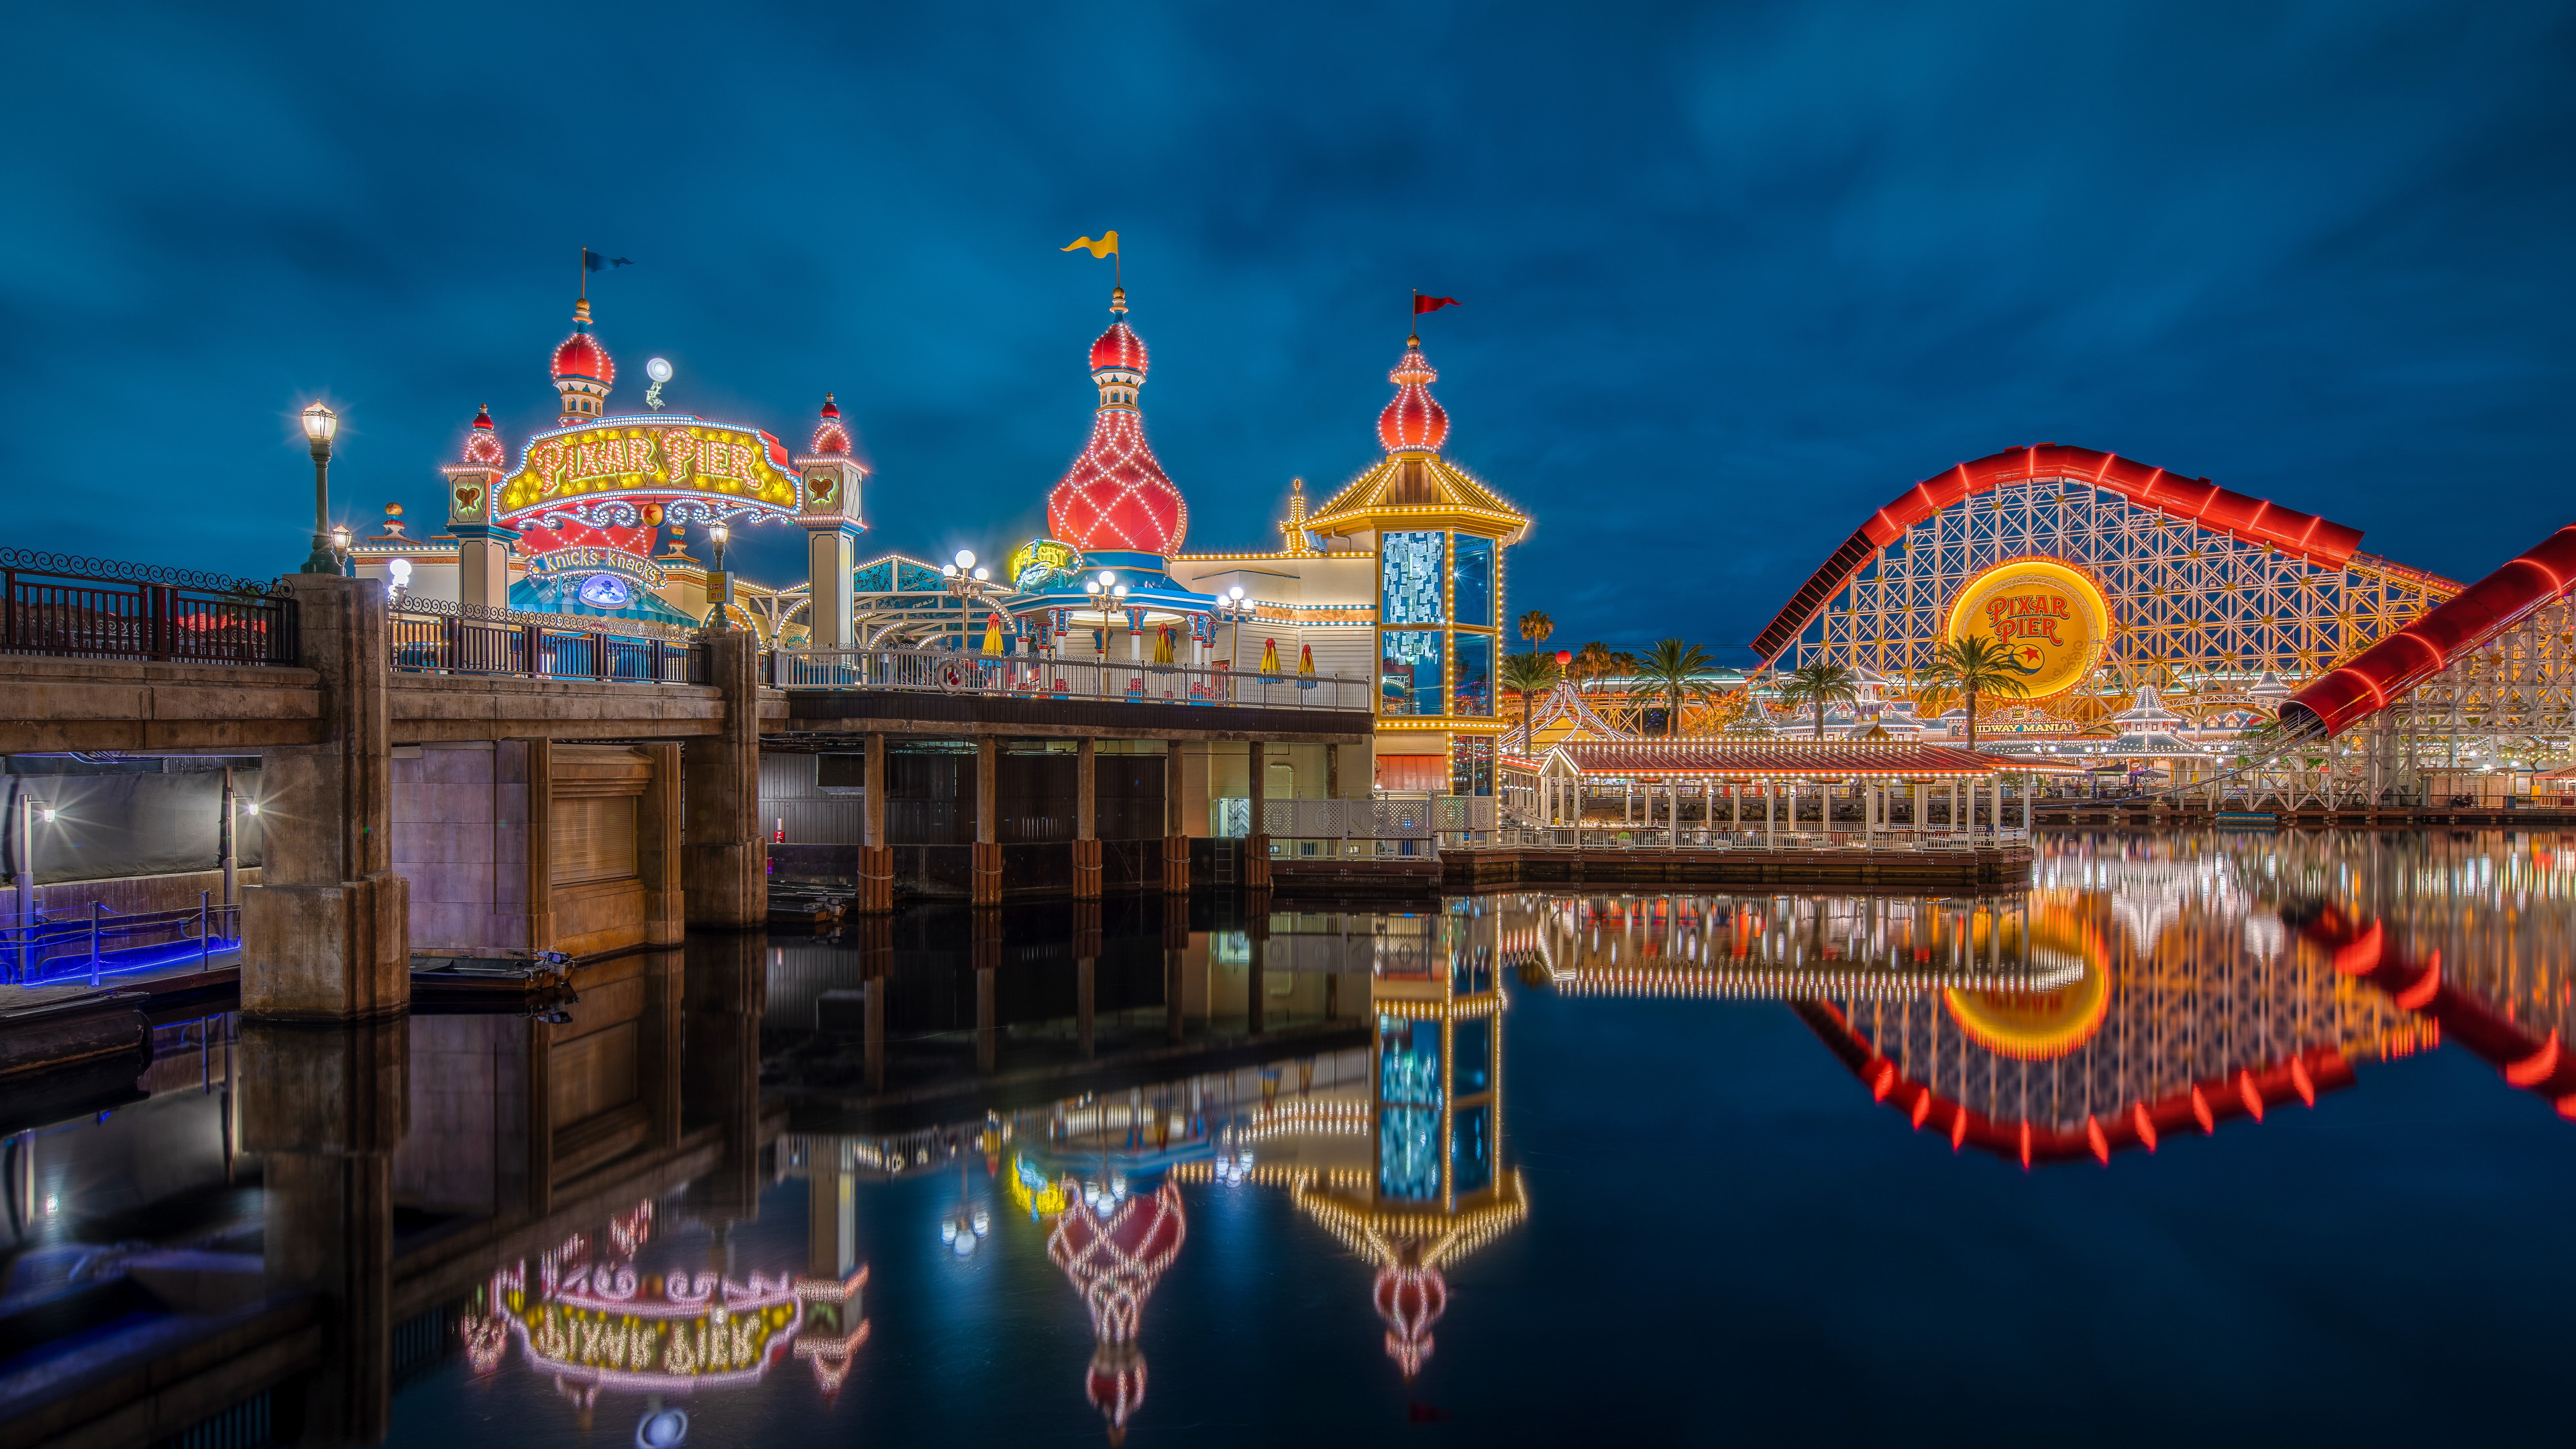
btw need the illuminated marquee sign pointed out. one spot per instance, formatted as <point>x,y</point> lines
<point>682,459</point>
<point>598,561</point>
<point>2049,618</point>
<point>1042,564</point>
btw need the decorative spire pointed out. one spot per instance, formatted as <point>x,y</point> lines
<point>829,435</point>
<point>583,372</point>
<point>1116,495</point>
<point>1294,530</point>
<point>1414,421</point>
<point>483,441</point>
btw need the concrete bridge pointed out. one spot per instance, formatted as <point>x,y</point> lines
<point>437,776</point>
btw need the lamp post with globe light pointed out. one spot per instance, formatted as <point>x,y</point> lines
<point>717,533</point>
<point>319,424</point>
<point>965,581</point>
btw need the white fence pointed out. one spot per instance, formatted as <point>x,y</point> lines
<point>1380,817</point>
<point>1029,676</point>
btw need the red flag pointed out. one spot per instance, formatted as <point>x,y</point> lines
<point>1422,304</point>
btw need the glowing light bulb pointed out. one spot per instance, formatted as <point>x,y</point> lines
<point>965,559</point>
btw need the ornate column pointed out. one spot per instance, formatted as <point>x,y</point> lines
<point>829,511</point>
<point>482,546</point>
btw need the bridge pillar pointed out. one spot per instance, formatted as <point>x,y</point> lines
<point>1176,830</point>
<point>876,858</point>
<point>1086,823</point>
<point>1256,842</point>
<point>724,876</point>
<point>987,887</point>
<point>327,932</point>
<point>325,1106</point>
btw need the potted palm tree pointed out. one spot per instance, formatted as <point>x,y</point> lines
<point>1822,685</point>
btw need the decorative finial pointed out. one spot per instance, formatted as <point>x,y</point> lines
<point>1118,299</point>
<point>581,314</point>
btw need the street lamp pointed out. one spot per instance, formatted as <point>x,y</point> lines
<point>319,424</point>
<point>717,533</point>
<point>341,563</point>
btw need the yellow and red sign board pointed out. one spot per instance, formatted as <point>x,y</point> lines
<point>2049,618</point>
<point>670,457</point>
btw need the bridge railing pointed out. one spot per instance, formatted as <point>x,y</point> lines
<point>1028,676</point>
<point>440,636</point>
<point>88,608</point>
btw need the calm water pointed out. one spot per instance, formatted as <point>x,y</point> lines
<point>1527,1168</point>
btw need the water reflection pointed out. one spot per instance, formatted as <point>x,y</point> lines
<point>733,1178</point>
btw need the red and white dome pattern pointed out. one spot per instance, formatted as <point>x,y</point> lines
<point>1120,348</point>
<point>1410,1298</point>
<point>1415,420</point>
<point>1116,495</point>
<point>829,435</point>
<point>483,441</point>
<point>580,357</point>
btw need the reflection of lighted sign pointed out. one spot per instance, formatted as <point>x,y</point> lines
<point>1031,1190</point>
<point>610,1332</point>
<point>2048,618</point>
<point>604,1327</point>
<point>617,561</point>
<point>2032,1026</point>
<point>607,591</point>
<point>651,455</point>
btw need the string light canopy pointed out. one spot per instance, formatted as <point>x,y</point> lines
<point>1116,495</point>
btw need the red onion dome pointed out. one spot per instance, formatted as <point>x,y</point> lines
<point>1120,348</point>
<point>1410,1298</point>
<point>1116,495</point>
<point>1116,1386</point>
<point>483,441</point>
<point>1415,419</point>
<point>830,436</point>
<point>580,357</point>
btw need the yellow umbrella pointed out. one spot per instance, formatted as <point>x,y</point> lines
<point>1270,656</point>
<point>1305,666</point>
<point>993,633</point>
<point>1163,645</point>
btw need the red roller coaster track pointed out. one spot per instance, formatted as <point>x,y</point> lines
<point>2195,500</point>
<point>2380,675</point>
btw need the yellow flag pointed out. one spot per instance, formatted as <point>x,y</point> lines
<point>1107,244</point>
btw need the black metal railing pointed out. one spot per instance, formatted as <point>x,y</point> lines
<point>436,636</point>
<point>88,608</point>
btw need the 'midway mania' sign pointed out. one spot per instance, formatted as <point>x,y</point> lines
<point>669,456</point>
<point>2048,617</point>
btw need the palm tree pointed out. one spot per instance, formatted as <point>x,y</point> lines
<point>1525,675</point>
<point>1536,626</point>
<point>1592,661</point>
<point>1822,685</point>
<point>1973,666</point>
<point>1675,669</point>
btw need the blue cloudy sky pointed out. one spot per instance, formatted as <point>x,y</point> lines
<point>1733,274</point>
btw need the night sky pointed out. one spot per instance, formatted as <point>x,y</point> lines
<point>1732,275</point>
